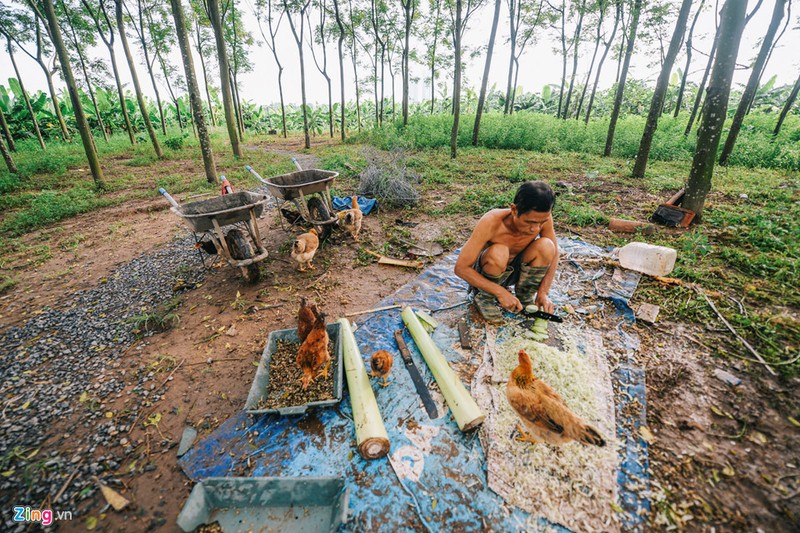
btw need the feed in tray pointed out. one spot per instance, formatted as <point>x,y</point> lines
<point>285,388</point>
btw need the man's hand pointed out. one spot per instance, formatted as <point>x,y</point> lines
<point>509,302</point>
<point>544,303</point>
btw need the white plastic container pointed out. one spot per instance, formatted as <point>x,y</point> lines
<point>648,258</point>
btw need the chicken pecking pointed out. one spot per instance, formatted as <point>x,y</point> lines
<point>304,248</point>
<point>352,219</point>
<point>544,414</point>
<point>313,356</point>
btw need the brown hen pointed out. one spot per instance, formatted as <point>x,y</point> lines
<point>313,354</point>
<point>381,364</point>
<point>544,414</point>
<point>306,317</point>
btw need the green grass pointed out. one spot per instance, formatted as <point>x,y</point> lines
<point>544,133</point>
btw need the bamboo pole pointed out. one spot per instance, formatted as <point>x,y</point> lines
<point>466,412</point>
<point>371,436</point>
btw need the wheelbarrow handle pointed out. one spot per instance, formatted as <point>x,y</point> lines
<point>254,173</point>
<point>169,198</point>
<point>297,164</point>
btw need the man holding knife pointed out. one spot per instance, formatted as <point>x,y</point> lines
<point>514,246</point>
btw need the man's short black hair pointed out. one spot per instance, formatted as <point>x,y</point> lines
<point>534,196</point>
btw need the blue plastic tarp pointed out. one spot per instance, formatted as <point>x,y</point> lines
<point>365,204</point>
<point>443,481</point>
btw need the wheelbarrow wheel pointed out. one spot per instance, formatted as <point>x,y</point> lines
<point>241,249</point>
<point>319,211</point>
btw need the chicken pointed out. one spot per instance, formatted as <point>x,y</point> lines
<point>306,317</point>
<point>543,412</point>
<point>381,364</point>
<point>313,354</point>
<point>304,248</point>
<point>352,218</point>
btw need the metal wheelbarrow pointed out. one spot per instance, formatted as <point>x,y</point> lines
<point>230,224</point>
<point>310,191</point>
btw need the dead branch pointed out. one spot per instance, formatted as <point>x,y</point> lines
<point>369,311</point>
<point>68,481</point>
<point>761,360</point>
<point>173,371</point>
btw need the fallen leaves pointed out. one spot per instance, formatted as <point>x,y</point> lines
<point>114,498</point>
<point>646,434</point>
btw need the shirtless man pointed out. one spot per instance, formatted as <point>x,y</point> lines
<point>512,246</point>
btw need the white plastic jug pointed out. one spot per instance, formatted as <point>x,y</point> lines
<point>648,258</point>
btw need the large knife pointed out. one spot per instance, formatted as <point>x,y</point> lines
<point>419,384</point>
<point>542,315</point>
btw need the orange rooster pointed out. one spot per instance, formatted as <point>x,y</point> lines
<point>352,219</point>
<point>381,364</point>
<point>543,412</point>
<point>304,248</point>
<point>313,353</point>
<point>306,317</point>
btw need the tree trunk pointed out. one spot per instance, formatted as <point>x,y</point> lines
<point>12,168</point>
<point>7,133</point>
<point>602,7</point>
<point>575,42</point>
<point>194,91</point>
<point>688,60</point>
<point>169,89</point>
<point>237,103</point>
<point>514,7</point>
<point>121,95</point>
<point>752,84</point>
<point>25,96</point>
<point>787,107</point>
<point>701,88</point>
<point>272,33</point>
<point>85,72</point>
<point>383,80</point>
<point>149,63</point>
<point>53,96</point>
<point>456,82</point>
<point>205,75</point>
<point>391,75</point>
<point>234,72</point>
<point>324,69</point>
<point>135,78</point>
<point>514,92</point>
<point>622,45</point>
<point>408,8</point>
<point>657,102</point>
<point>482,97</point>
<point>224,77</point>
<point>341,66</point>
<point>716,108</point>
<point>72,89</point>
<point>110,45</point>
<point>299,40</point>
<point>433,54</point>
<point>50,87</point>
<point>563,57</point>
<point>637,8</point>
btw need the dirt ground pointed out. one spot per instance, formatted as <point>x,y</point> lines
<point>722,456</point>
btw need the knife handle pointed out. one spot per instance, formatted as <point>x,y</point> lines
<point>401,345</point>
